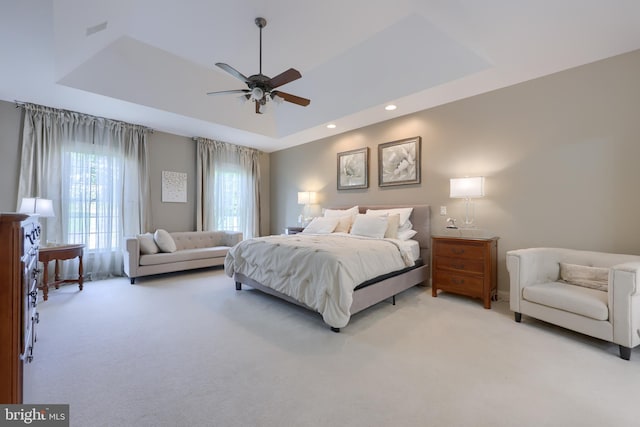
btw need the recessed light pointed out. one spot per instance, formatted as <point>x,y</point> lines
<point>390,107</point>
<point>331,126</point>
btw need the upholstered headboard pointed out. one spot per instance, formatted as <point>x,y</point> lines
<point>421,220</point>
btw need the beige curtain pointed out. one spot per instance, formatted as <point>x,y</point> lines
<point>97,208</point>
<point>228,187</point>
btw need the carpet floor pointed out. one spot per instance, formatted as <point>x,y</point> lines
<point>189,350</point>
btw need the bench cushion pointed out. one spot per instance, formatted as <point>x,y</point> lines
<point>587,302</point>
<point>184,255</point>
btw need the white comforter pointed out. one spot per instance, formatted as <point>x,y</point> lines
<point>320,271</point>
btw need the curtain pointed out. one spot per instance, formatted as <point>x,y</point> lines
<point>96,172</point>
<point>228,188</point>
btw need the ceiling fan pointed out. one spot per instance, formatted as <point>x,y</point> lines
<point>260,87</point>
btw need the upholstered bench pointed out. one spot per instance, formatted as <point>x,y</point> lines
<point>143,256</point>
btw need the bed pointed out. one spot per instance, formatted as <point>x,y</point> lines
<point>315,272</point>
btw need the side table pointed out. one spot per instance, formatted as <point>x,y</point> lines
<point>293,230</point>
<point>465,266</point>
<point>59,253</point>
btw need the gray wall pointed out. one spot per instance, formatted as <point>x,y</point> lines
<point>559,153</point>
<point>167,152</point>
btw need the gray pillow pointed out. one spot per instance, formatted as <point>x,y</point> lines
<point>586,276</point>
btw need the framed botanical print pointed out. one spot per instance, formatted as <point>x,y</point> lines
<point>399,162</point>
<point>353,169</point>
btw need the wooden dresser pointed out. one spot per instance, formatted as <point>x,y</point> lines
<point>466,266</point>
<point>19,243</point>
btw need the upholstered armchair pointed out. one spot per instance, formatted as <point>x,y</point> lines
<point>593,293</point>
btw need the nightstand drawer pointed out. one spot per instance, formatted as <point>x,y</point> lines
<point>459,283</point>
<point>459,264</point>
<point>460,250</point>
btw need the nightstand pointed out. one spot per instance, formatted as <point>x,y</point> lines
<point>465,266</point>
<point>293,230</point>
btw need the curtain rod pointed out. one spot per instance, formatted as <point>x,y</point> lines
<point>20,104</point>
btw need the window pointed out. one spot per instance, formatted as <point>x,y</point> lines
<point>228,181</point>
<point>91,213</point>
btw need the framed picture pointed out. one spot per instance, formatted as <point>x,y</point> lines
<point>399,162</point>
<point>353,169</point>
<point>174,187</point>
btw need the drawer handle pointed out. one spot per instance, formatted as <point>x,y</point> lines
<point>458,266</point>
<point>457,251</point>
<point>457,281</point>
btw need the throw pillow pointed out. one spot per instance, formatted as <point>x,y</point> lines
<point>344,224</point>
<point>404,213</point>
<point>582,275</point>
<point>369,226</point>
<point>341,212</point>
<point>321,225</point>
<point>164,241</point>
<point>392,226</point>
<point>147,244</point>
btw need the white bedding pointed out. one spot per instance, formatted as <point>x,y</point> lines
<point>413,247</point>
<point>320,271</point>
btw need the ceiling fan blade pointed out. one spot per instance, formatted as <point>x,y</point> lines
<point>222,92</point>
<point>235,73</point>
<point>291,98</point>
<point>283,78</point>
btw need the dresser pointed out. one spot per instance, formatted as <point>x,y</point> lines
<point>465,266</point>
<point>19,243</point>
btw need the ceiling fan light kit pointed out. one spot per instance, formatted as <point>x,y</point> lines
<point>260,87</point>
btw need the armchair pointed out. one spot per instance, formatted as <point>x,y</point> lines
<point>537,290</point>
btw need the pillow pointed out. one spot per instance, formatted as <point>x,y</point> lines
<point>341,212</point>
<point>164,241</point>
<point>406,226</point>
<point>321,225</point>
<point>369,226</point>
<point>406,234</point>
<point>585,276</point>
<point>403,212</point>
<point>344,224</point>
<point>147,244</point>
<point>392,226</point>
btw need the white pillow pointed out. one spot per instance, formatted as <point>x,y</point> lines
<point>321,225</point>
<point>344,224</point>
<point>369,226</point>
<point>404,213</point>
<point>392,226</point>
<point>341,212</point>
<point>164,241</point>
<point>407,226</point>
<point>147,244</point>
<point>406,234</point>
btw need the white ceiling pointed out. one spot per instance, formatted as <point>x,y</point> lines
<point>154,61</point>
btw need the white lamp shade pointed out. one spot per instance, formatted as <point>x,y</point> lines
<point>306,197</point>
<point>469,187</point>
<point>43,207</point>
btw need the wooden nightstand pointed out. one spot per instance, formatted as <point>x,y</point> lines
<point>466,266</point>
<point>293,230</point>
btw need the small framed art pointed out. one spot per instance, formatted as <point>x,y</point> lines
<point>353,169</point>
<point>399,162</point>
<point>174,187</point>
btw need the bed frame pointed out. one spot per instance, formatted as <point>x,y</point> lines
<point>387,288</point>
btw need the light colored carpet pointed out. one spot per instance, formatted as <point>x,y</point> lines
<point>189,350</point>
